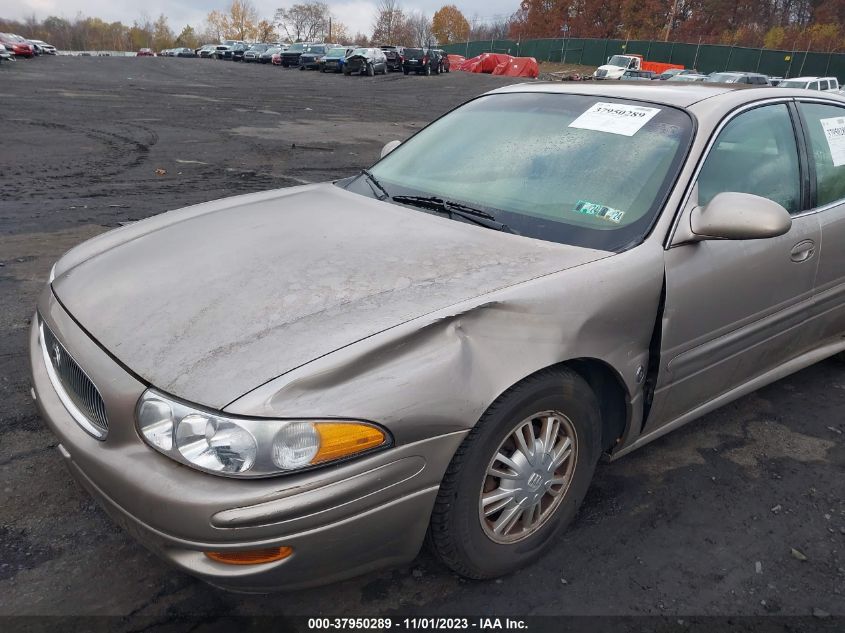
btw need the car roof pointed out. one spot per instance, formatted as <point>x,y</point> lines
<point>680,95</point>
<point>808,78</point>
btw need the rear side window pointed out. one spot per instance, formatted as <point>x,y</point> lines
<point>826,128</point>
<point>755,153</point>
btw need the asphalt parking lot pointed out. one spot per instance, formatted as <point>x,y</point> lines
<point>739,513</point>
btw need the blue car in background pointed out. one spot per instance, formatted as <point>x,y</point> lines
<point>335,58</point>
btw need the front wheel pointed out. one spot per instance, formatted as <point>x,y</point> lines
<point>371,71</point>
<point>427,71</point>
<point>519,476</point>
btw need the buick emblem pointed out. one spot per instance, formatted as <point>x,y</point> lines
<point>534,481</point>
<point>57,354</point>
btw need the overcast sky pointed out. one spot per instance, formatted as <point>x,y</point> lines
<point>358,15</point>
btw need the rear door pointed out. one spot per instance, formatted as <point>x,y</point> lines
<point>824,124</point>
<point>733,308</point>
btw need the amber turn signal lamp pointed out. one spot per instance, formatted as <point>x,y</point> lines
<point>252,556</point>
<point>340,440</point>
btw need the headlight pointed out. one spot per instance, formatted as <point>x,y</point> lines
<point>249,447</point>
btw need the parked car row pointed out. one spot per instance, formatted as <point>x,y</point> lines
<point>13,46</point>
<point>346,58</point>
<point>825,84</point>
<point>363,60</point>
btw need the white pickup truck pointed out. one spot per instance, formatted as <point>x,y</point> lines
<point>825,84</point>
<point>617,65</point>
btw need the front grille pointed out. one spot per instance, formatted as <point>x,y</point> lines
<point>76,385</point>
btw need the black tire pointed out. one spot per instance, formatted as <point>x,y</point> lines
<point>405,70</point>
<point>371,71</point>
<point>436,70</point>
<point>455,533</point>
<point>427,71</point>
<point>284,65</point>
<point>346,72</point>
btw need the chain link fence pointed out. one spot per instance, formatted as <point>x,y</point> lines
<point>706,58</point>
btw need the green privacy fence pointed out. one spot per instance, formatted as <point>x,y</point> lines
<point>704,57</point>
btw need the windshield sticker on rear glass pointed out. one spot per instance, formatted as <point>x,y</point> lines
<point>834,132</point>
<point>598,210</point>
<point>616,118</point>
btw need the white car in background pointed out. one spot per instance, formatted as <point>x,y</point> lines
<point>46,49</point>
<point>825,84</point>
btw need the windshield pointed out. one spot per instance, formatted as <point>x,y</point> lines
<point>619,60</point>
<point>793,84</point>
<point>565,168</point>
<point>360,51</point>
<point>296,48</point>
<point>414,52</point>
<point>315,49</point>
<point>336,52</point>
<point>723,78</point>
<point>273,51</point>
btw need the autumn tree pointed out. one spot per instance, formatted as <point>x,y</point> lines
<point>240,22</point>
<point>304,22</point>
<point>217,26</point>
<point>243,20</point>
<point>340,33</point>
<point>265,31</point>
<point>449,25</point>
<point>162,35</point>
<point>187,38</point>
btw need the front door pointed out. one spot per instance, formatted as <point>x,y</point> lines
<point>734,307</point>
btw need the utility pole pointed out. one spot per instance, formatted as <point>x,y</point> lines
<point>330,29</point>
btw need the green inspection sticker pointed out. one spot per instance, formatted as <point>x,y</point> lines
<point>599,210</point>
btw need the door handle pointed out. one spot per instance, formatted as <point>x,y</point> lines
<point>803,251</point>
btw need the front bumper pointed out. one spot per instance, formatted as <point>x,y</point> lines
<point>341,521</point>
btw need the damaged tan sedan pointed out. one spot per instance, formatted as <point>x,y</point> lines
<point>293,387</point>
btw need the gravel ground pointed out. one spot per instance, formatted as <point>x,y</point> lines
<point>701,522</point>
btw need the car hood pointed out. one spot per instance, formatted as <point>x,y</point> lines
<point>210,304</point>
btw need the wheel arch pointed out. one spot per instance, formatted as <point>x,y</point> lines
<point>612,394</point>
<point>613,397</point>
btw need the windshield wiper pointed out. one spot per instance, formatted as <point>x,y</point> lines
<point>375,183</point>
<point>472,214</point>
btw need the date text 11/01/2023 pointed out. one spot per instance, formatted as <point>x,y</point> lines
<point>418,623</point>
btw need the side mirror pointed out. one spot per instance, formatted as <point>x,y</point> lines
<point>389,147</point>
<point>739,216</point>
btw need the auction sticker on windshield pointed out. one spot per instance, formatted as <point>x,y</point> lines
<point>616,118</point>
<point>834,132</point>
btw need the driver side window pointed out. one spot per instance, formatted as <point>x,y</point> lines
<point>755,153</point>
